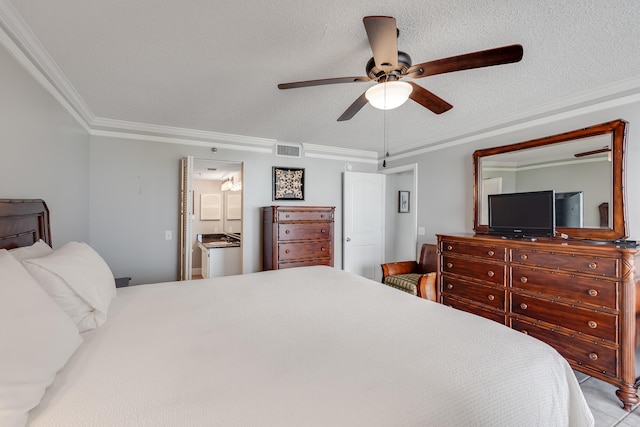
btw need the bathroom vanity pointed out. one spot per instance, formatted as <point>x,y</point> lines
<point>221,254</point>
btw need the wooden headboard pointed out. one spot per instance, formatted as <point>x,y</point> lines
<point>23,222</point>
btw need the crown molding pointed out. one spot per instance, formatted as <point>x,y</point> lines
<point>612,95</point>
<point>25,47</point>
<point>177,135</point>
<point>18,38</point>
<point>177,140</point>
<point>338,153</point>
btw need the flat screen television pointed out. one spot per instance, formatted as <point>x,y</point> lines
<point>522,214</point>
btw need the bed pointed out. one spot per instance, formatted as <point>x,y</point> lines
<point>311,346</point>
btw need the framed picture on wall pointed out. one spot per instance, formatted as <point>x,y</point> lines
<point>403,201</point>
<point>209,207</point>
<point>234,206</point>
<point>288,183</point>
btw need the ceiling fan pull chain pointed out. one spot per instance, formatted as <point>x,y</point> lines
<point>385,148</point>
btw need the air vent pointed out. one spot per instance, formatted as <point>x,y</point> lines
<point>288,150</point>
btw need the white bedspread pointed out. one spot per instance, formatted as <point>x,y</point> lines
<point>311,346</point>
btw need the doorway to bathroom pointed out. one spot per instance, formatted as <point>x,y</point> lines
<point>211,219</point>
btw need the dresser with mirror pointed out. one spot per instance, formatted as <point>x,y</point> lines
<point>576,290</point>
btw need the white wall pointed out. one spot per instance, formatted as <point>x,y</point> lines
<point>135,199</point>
<point>400,230</point>
<point>44,152</point>
<point>445,184</point>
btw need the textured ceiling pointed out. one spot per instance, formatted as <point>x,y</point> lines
<point>214,65</point>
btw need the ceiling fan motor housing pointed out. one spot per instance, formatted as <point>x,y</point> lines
<point>375,73</point>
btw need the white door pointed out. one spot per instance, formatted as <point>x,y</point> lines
<point>186,215</point>
<point>363,221</point>
<point>489,186</point>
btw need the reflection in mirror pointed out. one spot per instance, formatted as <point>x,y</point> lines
<point>581,183</point>
<point>583,167</point>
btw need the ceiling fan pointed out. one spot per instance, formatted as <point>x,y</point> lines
<point>604,149</point>
<point>389,65</point>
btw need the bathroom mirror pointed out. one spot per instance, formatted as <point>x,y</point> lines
<point>584,167</point>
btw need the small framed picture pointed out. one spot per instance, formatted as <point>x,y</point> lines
<point>403,201</point>
<point>288,183</point>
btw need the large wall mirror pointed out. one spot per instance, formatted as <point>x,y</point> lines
<point>584,167</point>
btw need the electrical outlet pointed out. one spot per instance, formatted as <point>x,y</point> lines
<point>215,229</point>
<point>421,231</point>
<point>168,235</point>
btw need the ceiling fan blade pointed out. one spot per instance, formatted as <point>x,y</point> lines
<point>321,82</point>
<point>429,100</point>
<point>589,153</point>
<point>383,38</point>
<point>354,108</point>
<point>484,58</point>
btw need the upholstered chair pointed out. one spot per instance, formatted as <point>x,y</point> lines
<point>417,278</point>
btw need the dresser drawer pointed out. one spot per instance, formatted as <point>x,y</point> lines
<point>569,262</point>
<point>482,294</point>
<point>581,320</point>
<point>305,263</point>
<point>488,272</point>
<point>305,231</point>
<point>304,250</point>
<point>487,251</point>
<point>580,352</point>
<point>588,290</point>
<point>314,215</point>
<point>494,315</point>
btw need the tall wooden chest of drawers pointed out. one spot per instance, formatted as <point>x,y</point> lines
<point>297,236</point>
<point>581,298</point>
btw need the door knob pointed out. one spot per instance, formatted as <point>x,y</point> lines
<point>348,239</point>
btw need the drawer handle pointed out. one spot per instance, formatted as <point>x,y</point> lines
<point>286,251</point>
<point>323,231</point>
<point>449,247</point>
<point>449,286</point>
<point>593,356</point>
<point>524,306</point>
<point>523,279</point>
<point>523,257</point>
<point>491,297</point>
<point>287,232</point>
<point>491,273</point>
<point>524,331</point>
<point>321,216</point>
<point>491,253</point>
<point>593,265</point>
<point>322,249</point>
<point>592,324</point>
<point>593,292</point>
<point>449,265</point>
<point>286,216</point>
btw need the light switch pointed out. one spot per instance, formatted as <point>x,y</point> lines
<point>167,235</point>
<point>421,231</point>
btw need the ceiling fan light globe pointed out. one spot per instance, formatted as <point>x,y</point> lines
<point>388,95</point>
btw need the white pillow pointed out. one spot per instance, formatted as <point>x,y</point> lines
<point>79,280</point>
<point>37,250</point>
<point>36,340</point>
